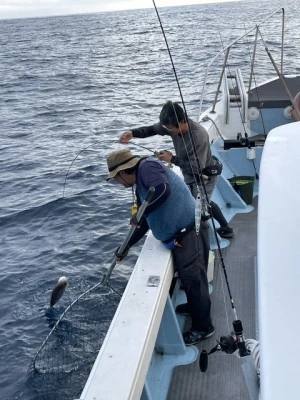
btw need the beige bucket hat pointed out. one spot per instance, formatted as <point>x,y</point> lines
<point>120,160</point>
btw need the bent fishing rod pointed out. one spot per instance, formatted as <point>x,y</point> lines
<point>154,152</point>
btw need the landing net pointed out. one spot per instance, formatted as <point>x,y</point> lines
<point>64,360</point>
<point>62,364</point>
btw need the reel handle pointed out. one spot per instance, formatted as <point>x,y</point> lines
<point>203,361</point>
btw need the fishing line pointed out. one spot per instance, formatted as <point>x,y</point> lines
<point>86,148</point>
<point>223,293</point>
<point>198,162</point>
<point>74,159</point>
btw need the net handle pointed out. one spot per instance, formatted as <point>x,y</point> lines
<point>123,246</point>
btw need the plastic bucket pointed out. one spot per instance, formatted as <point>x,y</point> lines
<point>244,186</point>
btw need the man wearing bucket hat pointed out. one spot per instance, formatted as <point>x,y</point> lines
<point>173,122</point>
<point>170,215</point>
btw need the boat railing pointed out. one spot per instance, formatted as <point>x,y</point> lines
<point>144,321</point>
<point>242,94</point>
<point>225,51</point>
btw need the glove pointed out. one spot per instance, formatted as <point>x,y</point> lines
<point>120,256</point>
<point>134,222</point>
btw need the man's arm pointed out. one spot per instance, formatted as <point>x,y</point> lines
<point>137,235</point>
<point>143,132</point>
<point>162,192</point>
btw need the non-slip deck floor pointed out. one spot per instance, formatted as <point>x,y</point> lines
<point>224,379</point>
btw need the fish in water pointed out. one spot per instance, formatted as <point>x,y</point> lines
<point>58,291</point>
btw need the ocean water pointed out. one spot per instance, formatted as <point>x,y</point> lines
<point>69,87</point>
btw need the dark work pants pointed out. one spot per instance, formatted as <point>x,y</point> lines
<point>191,263</point>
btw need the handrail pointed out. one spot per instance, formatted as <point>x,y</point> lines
<point>231,44</point>
<point>221,78</point>
<point>226,94</point>
<point>253,60</point>
<point>242,92</point>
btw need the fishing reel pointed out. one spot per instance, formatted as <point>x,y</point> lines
<point>228,343</point>
<point>245,141</point>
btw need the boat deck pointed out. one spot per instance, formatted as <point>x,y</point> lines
<point>224,378</point>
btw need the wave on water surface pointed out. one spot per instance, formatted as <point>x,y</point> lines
<point>73,83</point>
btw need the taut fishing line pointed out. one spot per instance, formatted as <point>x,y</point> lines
<point>88,148</point>
<point>74,159</point>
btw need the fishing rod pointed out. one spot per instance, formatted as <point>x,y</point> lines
<point>146,148</point>
<point>202,203</point>
<point>198,162</point>
<point>181,97</point>
<point>236,340</point>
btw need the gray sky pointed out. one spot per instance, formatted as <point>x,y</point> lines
<point>39,8</point>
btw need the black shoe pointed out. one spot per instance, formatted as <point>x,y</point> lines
<point>183,309</point>
<point>193,337</point>
<point>226,232</point>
